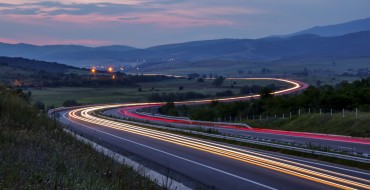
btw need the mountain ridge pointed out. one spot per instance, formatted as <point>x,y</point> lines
<point>337,29</point>
<point>302,44</point>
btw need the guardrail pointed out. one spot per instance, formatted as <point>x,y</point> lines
<point>199,122</point>
<point>298,149</point>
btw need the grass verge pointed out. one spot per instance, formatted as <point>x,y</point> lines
<point>35,153</point>
<point>315,123</point>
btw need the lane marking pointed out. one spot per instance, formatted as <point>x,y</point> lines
<point>310,162</point>
<point>179,157</point>
<point>109,123</point>
<point>153,175</point>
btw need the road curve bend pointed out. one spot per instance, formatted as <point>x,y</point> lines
<point>216,165</point>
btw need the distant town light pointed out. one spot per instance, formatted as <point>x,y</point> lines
<point>113,77</point>
<point>93,70</point>
<point>110,69</point>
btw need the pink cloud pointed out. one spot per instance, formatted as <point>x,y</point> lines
<point>170,21</point>
<point>87,42</point>
<point>129,2</point>
<point>53,41</point>
<point>211,11</point>
<point>163,20</point>
<point>9,41</point>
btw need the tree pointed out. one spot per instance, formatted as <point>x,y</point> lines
<point>169,109</point>
<point>265,71</point>
<point>70,103</point>
<point>193,75</point>
<point>200,80</point>
<point>39,105</point>
<point>266,93</point>
<point>224,93</point>
<point>181,88</point>
<point>318,82</point>
<point>245,89</point>
<point>218,81</point>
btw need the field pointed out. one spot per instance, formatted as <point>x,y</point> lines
<point>56,96</point>
<point>325,70</point>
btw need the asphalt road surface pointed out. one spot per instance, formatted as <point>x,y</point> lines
<point>214,164</point>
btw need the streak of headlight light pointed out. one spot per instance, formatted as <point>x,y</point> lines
<point>214,150</point>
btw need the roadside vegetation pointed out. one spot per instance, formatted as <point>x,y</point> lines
<point>264,113</point>
<point>35,153</point>
<point>325,123</point>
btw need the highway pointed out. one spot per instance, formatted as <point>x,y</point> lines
<point>336,142</point>
<point>213,164</point>
<point>331,141</point>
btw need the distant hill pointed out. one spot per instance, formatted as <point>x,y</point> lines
<point>266,49</point>
<point>338,29</point>
<point>28,71</point>
<point>352,45</point>
<point>35,65</point>
<point>69,54</point>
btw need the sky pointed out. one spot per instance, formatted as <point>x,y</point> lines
<point>145,23</point>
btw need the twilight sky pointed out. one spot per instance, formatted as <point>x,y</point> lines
<point>144,23</point>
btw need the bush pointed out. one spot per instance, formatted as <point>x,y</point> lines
<point>39,105</point>
<point>70,103</point>
<point>218,81</point>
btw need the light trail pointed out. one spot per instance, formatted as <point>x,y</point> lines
<point>319,175</point>
<point>295,86</point>
<point>293,168</point>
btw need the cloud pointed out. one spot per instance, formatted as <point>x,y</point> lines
<point>151,22</point>
<point>8,40</point>
<point>167,13</point>
<point>129,18</point>
<point>57,41</point>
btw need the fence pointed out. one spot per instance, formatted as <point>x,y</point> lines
<point>354,113</point>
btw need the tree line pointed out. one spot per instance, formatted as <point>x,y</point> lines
<point>45,79</point>
<point>344,95</point>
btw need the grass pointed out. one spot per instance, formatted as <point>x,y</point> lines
<point>56,96</point>
<point>337,124</point>
<point>318,69</point>
<point>36,154</point>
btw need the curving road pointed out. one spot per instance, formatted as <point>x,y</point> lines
<point>361,145</point>
<point>214,164</point>
<point>332,141</point>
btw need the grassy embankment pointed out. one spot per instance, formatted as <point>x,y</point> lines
<point>316,123</point>
<point>36,154</point>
